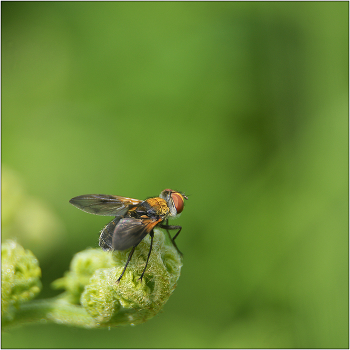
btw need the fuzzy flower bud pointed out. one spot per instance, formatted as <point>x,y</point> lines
<point>20,278</point>
<point>92,282</point>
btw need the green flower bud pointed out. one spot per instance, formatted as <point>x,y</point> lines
<point>82,267</point>
<point>20,278</point>
<point>93,280</point>
<point>92,296</point>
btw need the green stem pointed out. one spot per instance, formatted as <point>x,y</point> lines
<point>55,310</point>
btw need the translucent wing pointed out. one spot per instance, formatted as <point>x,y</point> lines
<point>121,234</point>
<point>106,236</point>
<point>104,204</point>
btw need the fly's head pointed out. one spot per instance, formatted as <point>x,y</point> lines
<point>175,201</point>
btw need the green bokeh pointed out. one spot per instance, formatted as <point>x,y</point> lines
<point>241,105</point>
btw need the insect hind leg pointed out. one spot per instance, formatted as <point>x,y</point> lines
<point>130,256</point>
<point>127,263</point>
<point>149,253</point>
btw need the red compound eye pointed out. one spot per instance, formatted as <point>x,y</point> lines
<point>178,201</point>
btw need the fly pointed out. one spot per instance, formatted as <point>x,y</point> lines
<point>134,219</point>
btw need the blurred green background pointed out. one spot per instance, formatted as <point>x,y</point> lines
<point>241,105</point>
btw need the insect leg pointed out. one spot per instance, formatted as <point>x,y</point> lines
<point>127,262</point>
<point>167,231</point>
<point>149,253</point>
<point>172,227</point>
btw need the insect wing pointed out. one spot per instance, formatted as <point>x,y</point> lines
<point>129,232</point>
<point>104,204</point>
<point>106,236</point>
